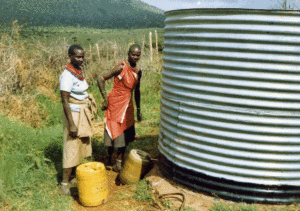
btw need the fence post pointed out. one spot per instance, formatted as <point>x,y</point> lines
<point>115,52</point>
<point>91,55</point>
<point>156,45</point>
<point>97,46</point>
<point>143,53</point>
<point>106,53</point>
<point>150,45</point>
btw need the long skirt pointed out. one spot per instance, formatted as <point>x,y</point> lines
<point>75,149</point>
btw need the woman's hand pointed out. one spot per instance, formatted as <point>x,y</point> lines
<point>139,115</point>
<point>73,131</point>
<point>104,105</point>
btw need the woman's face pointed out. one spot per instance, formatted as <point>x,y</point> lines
<point>134,55</point>
<point>77,58</point>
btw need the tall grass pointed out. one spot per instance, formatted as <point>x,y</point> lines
<point>31,66</point>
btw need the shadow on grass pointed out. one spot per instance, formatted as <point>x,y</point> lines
<point>54,153</point>
<point>146,143</point>
<point>99,150</point>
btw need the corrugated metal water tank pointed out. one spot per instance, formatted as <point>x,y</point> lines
<point>230,103</point>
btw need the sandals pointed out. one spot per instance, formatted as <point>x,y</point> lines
<point>65,190</point>
<point>118,166</point>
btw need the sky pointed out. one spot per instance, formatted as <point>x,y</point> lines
<point>167,5</point>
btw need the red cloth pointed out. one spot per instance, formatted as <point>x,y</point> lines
<point>119,115</point>
<point>76,72</point>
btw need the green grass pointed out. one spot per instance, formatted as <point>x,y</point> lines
<point>27,172</point>
<point>187,208</point>
<point>105,38</point>
<point>142,192</point>
<point>53,109</point>
<point>233,207</point>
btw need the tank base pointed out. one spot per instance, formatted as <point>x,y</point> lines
<point>227,189</point>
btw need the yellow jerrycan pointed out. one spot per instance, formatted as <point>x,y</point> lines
<point>136,165</point>
<point>92,183</point>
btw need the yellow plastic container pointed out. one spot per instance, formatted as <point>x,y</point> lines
<point>92,183</point>
<point>135,166</point>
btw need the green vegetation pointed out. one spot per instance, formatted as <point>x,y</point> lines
<point>142,192</point>
<point>233,207</point>
<point>90,13</point>
<point>27,167</point>
<point>187,208</point>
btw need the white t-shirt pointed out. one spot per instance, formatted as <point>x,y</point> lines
<point>76,87</point>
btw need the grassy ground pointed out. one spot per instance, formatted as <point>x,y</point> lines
<point>28,177</point>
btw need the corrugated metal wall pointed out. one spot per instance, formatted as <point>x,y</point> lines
<point>230,106</point>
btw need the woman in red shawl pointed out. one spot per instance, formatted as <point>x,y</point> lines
<point>119,115</point>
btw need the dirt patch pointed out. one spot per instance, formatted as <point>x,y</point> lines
<point>177,194</point>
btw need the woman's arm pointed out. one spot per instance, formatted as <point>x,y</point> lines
<point>137,97</point>
<point>65,102</point>
<point>101,83</point>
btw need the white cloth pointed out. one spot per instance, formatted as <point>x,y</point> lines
<point>76,87</point>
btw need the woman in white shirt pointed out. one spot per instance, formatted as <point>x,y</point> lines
<point>74,98</point>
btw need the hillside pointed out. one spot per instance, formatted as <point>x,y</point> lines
<point>82,13</point>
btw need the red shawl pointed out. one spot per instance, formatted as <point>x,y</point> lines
<point>76,72</point>
<point>119,115</point>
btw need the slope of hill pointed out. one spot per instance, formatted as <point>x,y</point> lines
<point>83,13</point>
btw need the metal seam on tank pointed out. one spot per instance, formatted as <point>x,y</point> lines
<point>242,74</point>
<point>239,28</point>
<point>232,46</point>
<point>238,110</point>
<point>234,64</point>
<point>236,172</point>
<point>237,87</point>
<point>239,18</point>
<point>243,164</point>
<point>239,155</point>
<point>226,91</point>
<point>276,39</point>
<point>235,101</point>
<point>260,57</point>
<point>253,151</point>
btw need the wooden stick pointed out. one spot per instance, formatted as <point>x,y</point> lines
<point>143,48</point>
<point>91,55</point>
<point>97,46</point>
<point>125,51</point>
<point>107,53</point>
<point>115,51</point>
<point>156,43</point>
<point>150,45</point>
<point>143,45</point>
